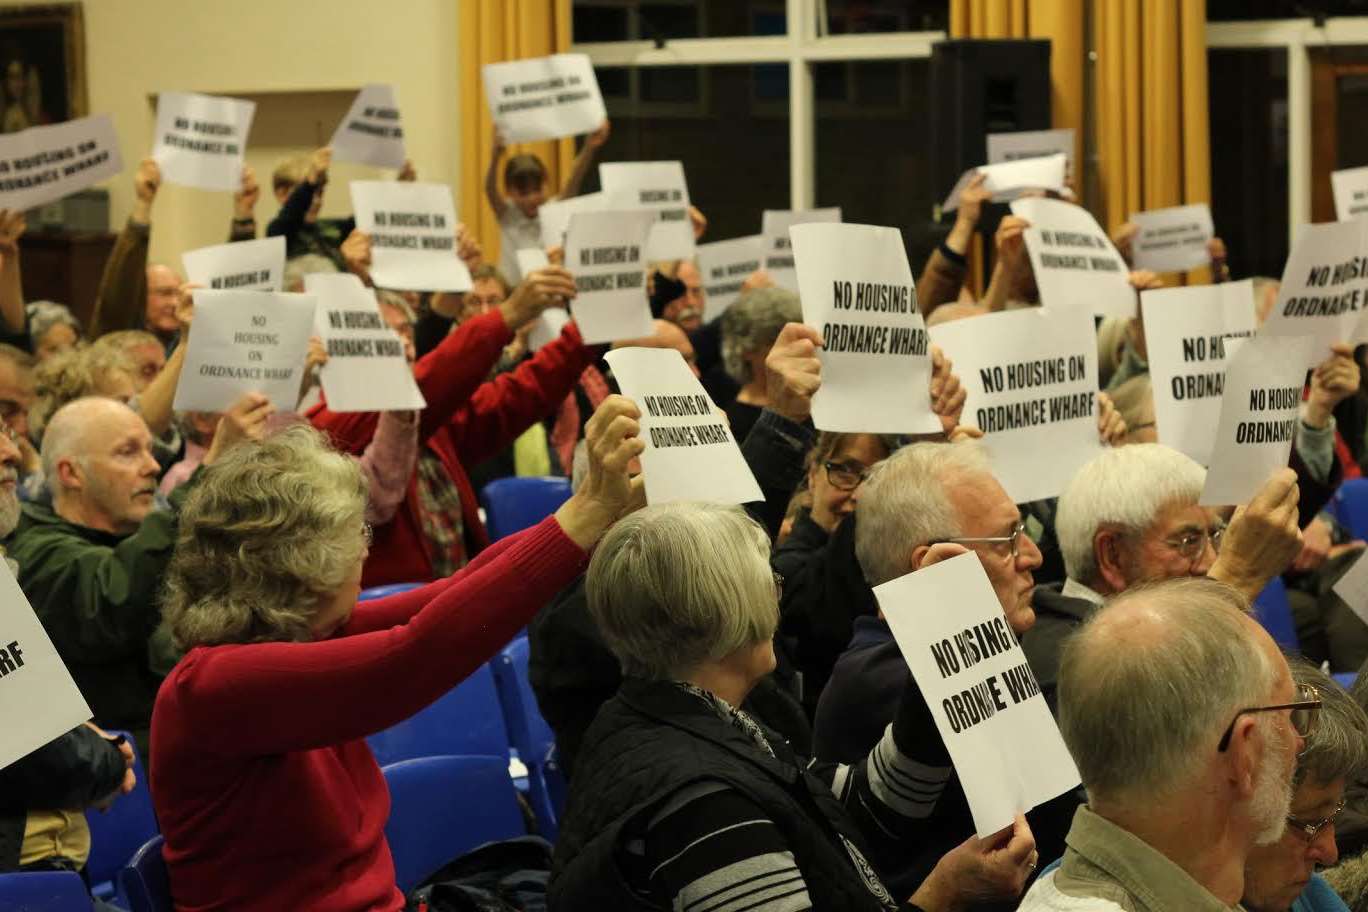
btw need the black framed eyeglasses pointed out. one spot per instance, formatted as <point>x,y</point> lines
<point>1303,716</point>
<point>1013,540</point>
<point>845,476</point>
<point>1192,545</point>
<point>1310,830</point>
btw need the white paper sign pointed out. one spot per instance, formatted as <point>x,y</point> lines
<point>257,265</point>
<point>1259,408</point>
<point>690,451</point>
<point>1185,335</point>
<point>606,252</point>
<point>775,244</point>
<point>659,187</point>
<point>245,342</point>
<point>370,134</point>
<point>1005,745</point>
<point>1007,147</point>
<point>530,259</point>
<point>412,227</point>
<point>1172,240</point>
<point>857,290</point>
<point>1323,287</point>
<point>547,327</point>
<point>38,698</point>
<point>1075,263</point>
<point>555,215</point>
<point>544,98</point>
<point>200,139</point>
<point>367,370</point>
<point>1350,187</point>
<point>44,164</point>
<point>1007,180</point>
<point>725,266</point>
<point>1031,382</point>
<point>1352,587</point>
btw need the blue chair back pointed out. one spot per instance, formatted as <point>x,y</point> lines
<point>44,891</point>
<point>117,833</point>
<point>1350,506</point>
<point>514,504</point>
<point>465,720</point>
<point>533,738</point>
<point>144,883</point>
<point>376,592</point>
<point>442,807</point>
<point>1274,613</point>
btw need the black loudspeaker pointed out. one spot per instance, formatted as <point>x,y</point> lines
<point>980,87</point>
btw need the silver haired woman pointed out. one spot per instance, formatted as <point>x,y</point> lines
<point>682,801</point>
<point>267,794</point>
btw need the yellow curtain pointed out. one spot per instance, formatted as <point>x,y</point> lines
<point>492,31</point>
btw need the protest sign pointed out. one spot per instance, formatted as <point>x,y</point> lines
<point>245,342</point>
<point>547,327</point>
<point>1172,240</point>
<point>43,164</point>
<point>1259,408</point>
<point>370,134</point>
<point>1323,287</point>
<point>1007,180</point>
<point>200,139</point>
<point>555,215</point>
<point>988,708</point>
<point>1352,587</point>
<point>606,253</point>
<point>530,259</point>
<point>367,369</point>
<point>1350,187</point>
<point>38,698</point>
<point>1030,378</point>
<point>1074,261</point>
<point>856,288</point>
<point>544,97</point>
<point>724,267</point>
<point>1185,333</point>
<point>257,265</point>
<point>1007,147</point>
<point>659,187</point>
<point>775,245</point>
<point>690,451</point>
<point>412,228</point>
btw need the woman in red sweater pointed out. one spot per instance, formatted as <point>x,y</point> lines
<point>266,791</point>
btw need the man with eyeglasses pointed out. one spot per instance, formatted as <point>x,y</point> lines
<point>1131,516</point>
<point>1185,723</point>
<point>1282,875</point>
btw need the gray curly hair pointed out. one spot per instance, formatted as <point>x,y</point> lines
<point>269,531</point>
<point>752,324</point>
<point>43,315</point>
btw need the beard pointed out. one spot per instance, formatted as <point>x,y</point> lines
<point>1273,787</point>
<point>9,514</point>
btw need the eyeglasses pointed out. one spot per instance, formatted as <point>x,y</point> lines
<point>845,476</point>
<point>10,433</point>
<point>1013,540</point>
<point>1311,830</point>
<point>1303,716</point>
<point>1192,545</point>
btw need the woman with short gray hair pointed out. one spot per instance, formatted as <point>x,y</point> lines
<point>682,800</point>
<point>749,329</point>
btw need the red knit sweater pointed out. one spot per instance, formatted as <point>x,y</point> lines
<point>266,791</point>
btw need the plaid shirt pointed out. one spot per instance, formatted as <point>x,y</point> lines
<point>441,516</point>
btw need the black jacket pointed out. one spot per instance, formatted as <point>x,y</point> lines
<point>1057,616</point>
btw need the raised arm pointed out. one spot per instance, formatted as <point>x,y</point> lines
<point>12,225</point>
<point>244,207</point>
<point>122,295</point>
<point>492,191</point>
<point>585,160</point>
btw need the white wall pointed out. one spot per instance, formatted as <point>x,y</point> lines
<point>300,60</point>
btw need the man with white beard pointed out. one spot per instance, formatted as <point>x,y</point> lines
<point>1185,723</point>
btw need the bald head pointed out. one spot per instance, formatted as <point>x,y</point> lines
<point>97,456</point>
<point>666,335</point>
<point>1149,683</point>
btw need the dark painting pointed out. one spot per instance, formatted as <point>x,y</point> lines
<point>42,65</point>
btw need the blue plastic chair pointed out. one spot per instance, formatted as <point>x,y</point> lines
<point>44,891</point>
<point>442,807</point>
<point>376,592</point>
<point>117,833</point>
<point>144,883</point>
<point>514,504</point>
<point>1345,679</point>
<point>1274,613</point>
<point>465,720</point>
<point>531,737</point>
<point>1350,506</point>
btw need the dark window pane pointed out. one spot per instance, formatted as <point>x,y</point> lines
<point>670,84</point>
<point>857,17</point>
<point>1228,10</point>
<point>599,23</point>
<point>1249,134</point>
<point>665,20</point>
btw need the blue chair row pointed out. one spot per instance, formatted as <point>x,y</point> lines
<point>1350,506</point>
<point>44,891</point>
<point>531,737</point>
<point>514,504</point>
<point>116,834</point>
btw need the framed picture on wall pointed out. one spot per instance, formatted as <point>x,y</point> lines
<point>42,65</point>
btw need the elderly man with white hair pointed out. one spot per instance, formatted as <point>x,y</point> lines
<point>1131,516</point>
<point>1185,723</point>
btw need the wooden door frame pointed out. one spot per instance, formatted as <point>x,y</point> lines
<point>1326,73</point>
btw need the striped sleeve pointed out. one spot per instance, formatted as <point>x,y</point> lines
<point>712,849</point>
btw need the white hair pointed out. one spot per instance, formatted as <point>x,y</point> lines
<point>904,503</point>
<point>1125,487</point>
<point>753,324</point>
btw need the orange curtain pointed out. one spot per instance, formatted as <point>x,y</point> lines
<point>492,31</point>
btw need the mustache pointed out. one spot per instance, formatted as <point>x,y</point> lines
<point>9,473</point>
